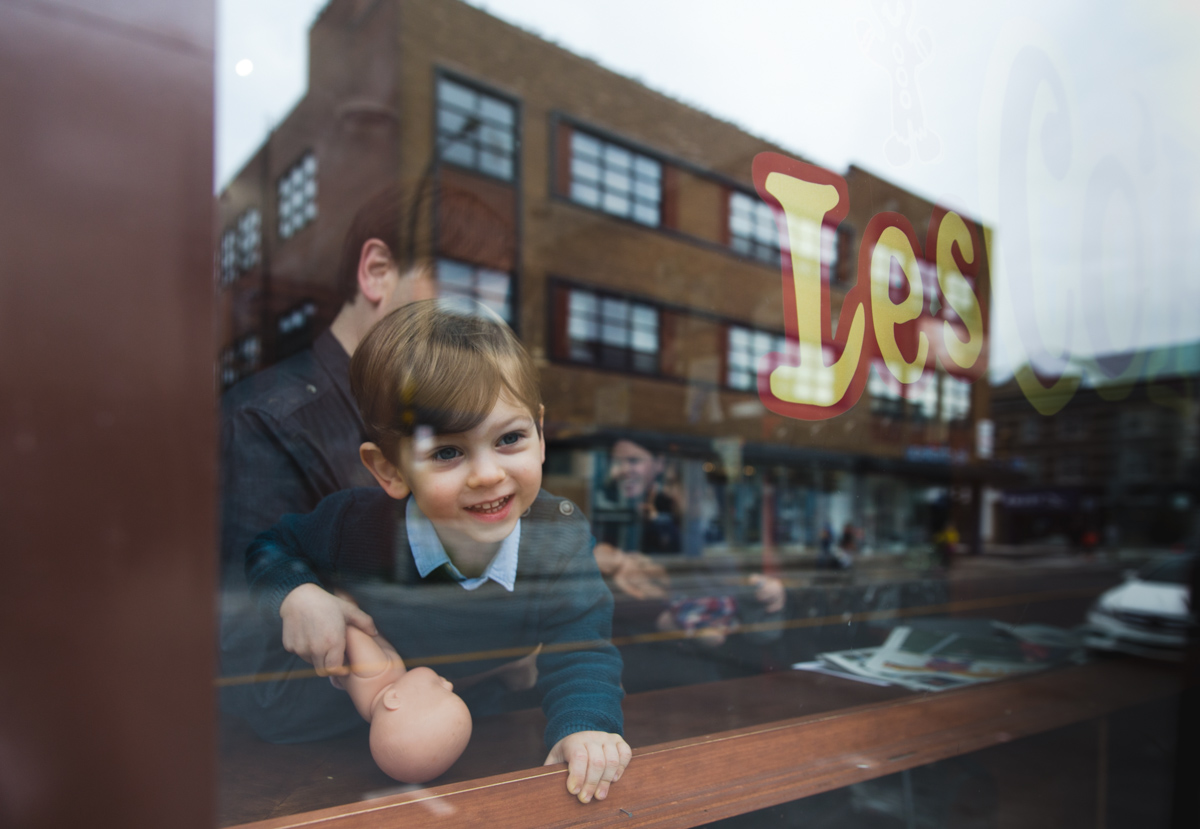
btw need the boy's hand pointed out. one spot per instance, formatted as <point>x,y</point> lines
<point>595,760</point>
<point>641,578</point>
<point>314,627</point>
<point>769,591</point>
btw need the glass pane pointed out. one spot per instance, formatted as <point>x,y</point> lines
<point>583,169</point>
<point>616,158</point>
<point>460,152</point>
<point>898,501</point>
<point>645,215</point>
<point>616,181</point>
<point>456,95</point>
<point>647,168</point>
<point>494,110</point>
<point>585,194</point>
<point>584,145</point>
<point>614,203</point>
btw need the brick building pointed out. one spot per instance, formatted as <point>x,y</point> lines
<point>1119,459</point>
<point>634,259</point>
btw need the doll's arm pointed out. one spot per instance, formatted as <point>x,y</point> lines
<point>373,665</point>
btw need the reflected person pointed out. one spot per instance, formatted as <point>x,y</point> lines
<point>290,434</point>
<point>697,612</point>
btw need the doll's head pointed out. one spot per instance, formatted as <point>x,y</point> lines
<point>419,726</point>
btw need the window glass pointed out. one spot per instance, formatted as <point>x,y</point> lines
<point>488,287</point>
<point>297,196</point>
<point>615,180</point>
<point>476,129</point>
<point>854,389</point>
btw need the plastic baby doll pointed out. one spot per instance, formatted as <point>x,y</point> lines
<point>419,726</point>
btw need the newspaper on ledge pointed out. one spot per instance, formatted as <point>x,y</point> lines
<point>929,658</point>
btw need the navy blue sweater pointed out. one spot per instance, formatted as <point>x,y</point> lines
<point>357,539</point>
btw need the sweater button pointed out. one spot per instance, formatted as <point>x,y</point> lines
<point>566,507</point>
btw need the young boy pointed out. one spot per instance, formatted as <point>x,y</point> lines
<point>478,560</point>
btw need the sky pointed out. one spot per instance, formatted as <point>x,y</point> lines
<point>1094,256</point>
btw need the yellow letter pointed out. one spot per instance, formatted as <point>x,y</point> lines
<point>957,293</point>
<point>812,383</point>
<point>894,243</point>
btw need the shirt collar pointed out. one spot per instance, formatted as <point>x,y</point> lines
<point>429,554</point>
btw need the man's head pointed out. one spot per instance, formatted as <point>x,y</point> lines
<point>374,275</point>
<point>634,468</point>
<point>453,414</point>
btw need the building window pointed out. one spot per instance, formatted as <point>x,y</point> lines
<point>1136,423</point>
<point>249,239</point>
<point>240,246</point>
<point>1069,469</point>
<point>887,398</point>
<point>1031,429</point>
<point>476,130</point>
<point>294,329</point>
<point>612,332</point>
<point>490,287</point>
<point>923,398</point>
<point>746,350</point>
<point>240,359</point>
<point>753,230</point>
<point>1135,465</point>
<point>297,319</point>
<point>960,293</point>
<point>298,196</point>
<point>228,257</point>
<point>616,180</point>
<point>956,399</point>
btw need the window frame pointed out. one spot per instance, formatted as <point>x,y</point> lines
<point>307,177</point>
<point>638,161</point>
<point>479,88</point>
<point>778,344</point>
<point>475,271</point>
<point>560,336</point>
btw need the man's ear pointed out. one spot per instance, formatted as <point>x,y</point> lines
<point>377,272</point>
<point>386,472</point>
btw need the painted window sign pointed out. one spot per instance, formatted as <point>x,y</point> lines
<point>888,317</point>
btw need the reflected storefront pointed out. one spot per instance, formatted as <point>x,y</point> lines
<point>844,445</point>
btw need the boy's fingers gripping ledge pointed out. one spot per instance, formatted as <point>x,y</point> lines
<point>595,760</point>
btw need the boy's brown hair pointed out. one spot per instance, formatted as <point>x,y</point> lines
<point>438,363</point>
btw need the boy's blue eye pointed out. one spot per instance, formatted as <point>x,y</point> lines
<point>446,453</point>
<point>511,438</point>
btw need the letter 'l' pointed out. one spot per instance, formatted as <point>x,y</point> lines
<point>810,390</point>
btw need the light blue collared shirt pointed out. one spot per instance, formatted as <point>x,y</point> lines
<point>429,554</point>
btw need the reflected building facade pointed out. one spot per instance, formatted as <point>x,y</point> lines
<point>1118,462</point>
<point>623,239</point>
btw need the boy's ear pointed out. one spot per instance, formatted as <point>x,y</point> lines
<point>386,472</point>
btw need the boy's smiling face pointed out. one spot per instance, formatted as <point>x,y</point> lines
<point>473,486</point>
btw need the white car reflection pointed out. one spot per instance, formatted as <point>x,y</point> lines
<point>1151,614</point>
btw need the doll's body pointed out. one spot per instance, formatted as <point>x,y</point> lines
<point>419,726</point>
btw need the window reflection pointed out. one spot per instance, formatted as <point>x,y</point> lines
<point>734,538</point>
